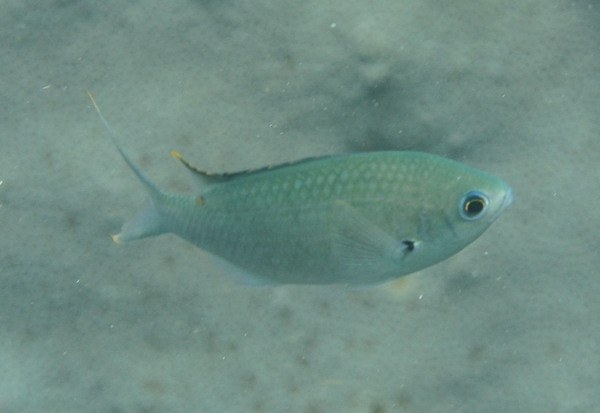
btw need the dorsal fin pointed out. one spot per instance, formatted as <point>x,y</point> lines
<point>201,179</point>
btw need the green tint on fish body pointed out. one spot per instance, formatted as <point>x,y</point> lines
<point>357,219</point>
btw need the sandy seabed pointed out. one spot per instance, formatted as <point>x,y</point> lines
<point>510,324</point>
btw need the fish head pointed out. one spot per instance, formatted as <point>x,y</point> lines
<point>475,199</point>
<point>456,204</point>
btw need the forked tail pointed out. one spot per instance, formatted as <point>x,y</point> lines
<point>148,221</point>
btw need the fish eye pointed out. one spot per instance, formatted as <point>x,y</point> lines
<point>473,205</point>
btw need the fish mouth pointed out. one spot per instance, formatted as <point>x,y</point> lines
<point>506,200</point>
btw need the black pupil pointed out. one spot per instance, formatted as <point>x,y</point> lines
<point>474,206</point>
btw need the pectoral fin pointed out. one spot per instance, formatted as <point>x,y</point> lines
<point>363,246</point>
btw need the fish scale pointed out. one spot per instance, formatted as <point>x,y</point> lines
<point>356,219</point>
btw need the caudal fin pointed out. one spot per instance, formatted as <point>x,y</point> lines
<point>149,184</point>
<point>148,221</point>
<point>145,223</point>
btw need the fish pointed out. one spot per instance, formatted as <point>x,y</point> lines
<point>358,219</point>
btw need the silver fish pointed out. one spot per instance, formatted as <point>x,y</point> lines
<point>356,219</point>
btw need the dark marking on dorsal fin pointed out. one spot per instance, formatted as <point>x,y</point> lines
<point>187,164</point>
<point>200,179</point>
<point>278,166</point>
<point>206,178</point>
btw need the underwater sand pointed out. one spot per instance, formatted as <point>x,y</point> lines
<point>509,324</point>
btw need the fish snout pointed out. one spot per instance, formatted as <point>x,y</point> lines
<point>503,201</point>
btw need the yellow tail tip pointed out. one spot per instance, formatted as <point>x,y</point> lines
<point>92,99</point>
<point>176,155</point>
<point>116,239</point>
